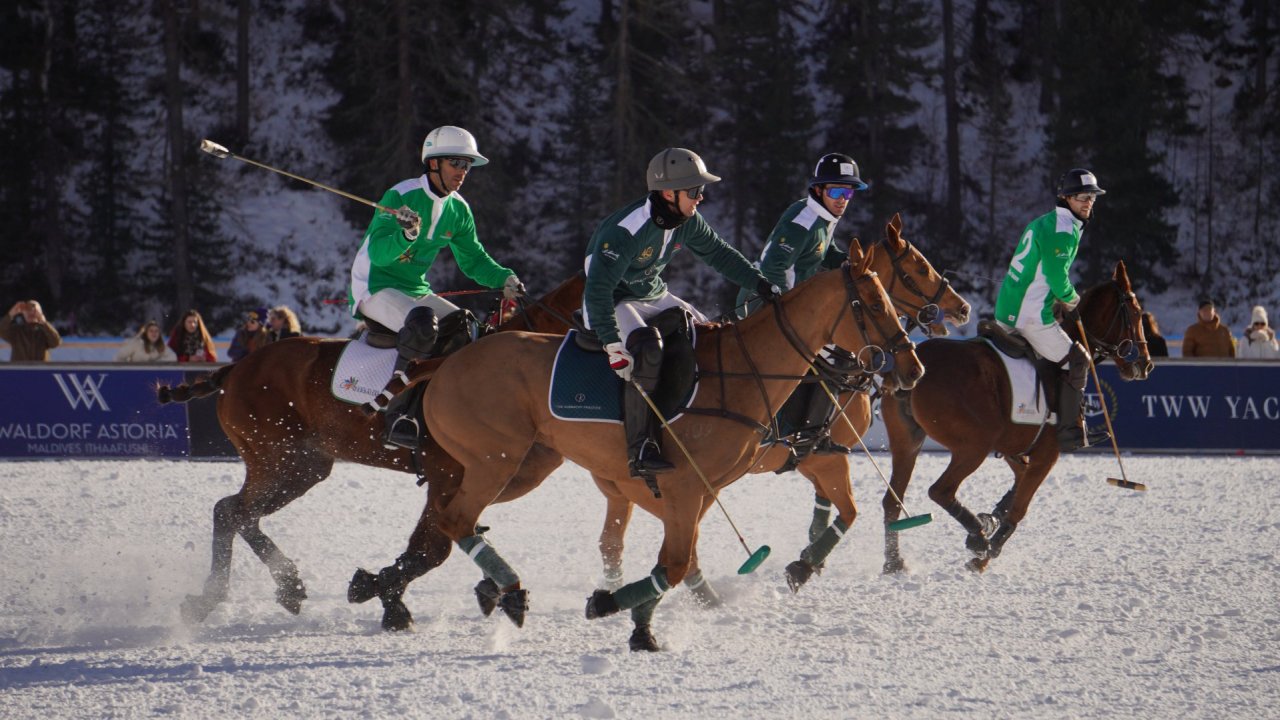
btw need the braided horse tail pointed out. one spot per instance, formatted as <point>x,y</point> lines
<point>203,387</point>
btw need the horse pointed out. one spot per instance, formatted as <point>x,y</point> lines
<point>963,403</point>
<point>764,355</point>
<point>275,407</point>
<point>919,294</point>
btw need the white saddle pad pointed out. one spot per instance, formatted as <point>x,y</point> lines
<point>1028,405</point>
<point>362,372</point>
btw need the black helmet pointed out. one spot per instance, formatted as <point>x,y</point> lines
<point>837,168</point>
<point>1078,180</point>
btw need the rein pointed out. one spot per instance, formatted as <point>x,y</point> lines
<point>900,273</point>
<point>1102,348</point>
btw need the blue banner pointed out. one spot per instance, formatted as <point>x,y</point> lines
<point>90,411</point>
<point>1190,406</point>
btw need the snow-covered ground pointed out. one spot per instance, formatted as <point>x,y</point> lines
<point>1105,603</point>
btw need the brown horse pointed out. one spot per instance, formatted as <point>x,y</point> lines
<point>761,358</point>
<point>275,407</point>
<point>963,403</point>
<point>918,293</point>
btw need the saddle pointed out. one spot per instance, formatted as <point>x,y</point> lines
<point>1048,373</point>
<point>378,335</point>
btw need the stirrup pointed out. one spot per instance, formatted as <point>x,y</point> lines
<point>403,433</point>
<point>826,446</point>
<point>648,460</point>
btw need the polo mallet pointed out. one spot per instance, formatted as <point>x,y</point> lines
<point>753,558</point>
<point>910,520</point>
<point>221,152</point>
<point>1123,481</point>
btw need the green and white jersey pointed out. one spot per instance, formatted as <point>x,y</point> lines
<point>801,244</point>
<point>628,252</point>
<point>387,259</point>
<point>1038,273</point>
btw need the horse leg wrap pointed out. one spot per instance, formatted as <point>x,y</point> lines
<point>642,591</point>
<point>701,589</point>
<point>821,517</point>
<point>1001,534</point>
<point>642,614</point>
<point>818,550</point>
<point>964,517</point>
<point>489,561</point>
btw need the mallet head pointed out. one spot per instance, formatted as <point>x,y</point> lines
<point>214,149</point>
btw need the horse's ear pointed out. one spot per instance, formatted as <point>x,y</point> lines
<point>895,222</point>
<point>1121,275</point>
<point>893,231</point>
<point>855,252</point>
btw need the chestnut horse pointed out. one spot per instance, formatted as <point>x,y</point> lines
<point>275,407</point>
<point>963,403</point>
<point>918,293</point>
<point>761,358</point>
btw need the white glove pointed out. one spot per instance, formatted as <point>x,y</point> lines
<point>410,221</point>
<point>620,360</point>
<point>512,288</point>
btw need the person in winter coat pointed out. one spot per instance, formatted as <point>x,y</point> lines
<point>389,275</point>
<point>1038,279</point>
<point>147,346</point>
<point>251,335</point>
<point>282,323</point>
<point>191,341</point>
<point>624,288</point>
<point>1208,337</point>
<point>1259,341</point>
<point>30,336</point>
<point>1157,346</point>
<point>801,244</point>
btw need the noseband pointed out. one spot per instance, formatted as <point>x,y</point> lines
<point>1128,329</point>
<point>927,313</point>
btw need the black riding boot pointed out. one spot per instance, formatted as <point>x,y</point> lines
<point>642,428</point>
<point>414,342</point>
<point>1073,432</point>
<point>817,423</point>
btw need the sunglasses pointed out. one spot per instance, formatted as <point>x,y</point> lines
<point>458,163</point>
<point>696,192</point>
<point>1085,197</point>
<point>839,193</point>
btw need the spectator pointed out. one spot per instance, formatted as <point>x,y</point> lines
<point>250,336</point>
<point>1208,337</point>
<point>282,323</point>
<point>29,335</point>
<point>1259,339</point>
<point>190,339</point>
<point>147,346</point>
<point>1156,344</point>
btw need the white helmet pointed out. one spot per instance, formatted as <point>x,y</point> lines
<point>450,141</point>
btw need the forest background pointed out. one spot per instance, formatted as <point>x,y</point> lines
<point>960,113</point>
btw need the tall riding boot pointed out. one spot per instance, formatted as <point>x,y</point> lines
<point>643,429</point>
<point>817,423</point>
<point>1073,433</point>
<point>414,342</point>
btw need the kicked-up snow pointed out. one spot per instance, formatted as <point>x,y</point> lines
<point>1106,603</point>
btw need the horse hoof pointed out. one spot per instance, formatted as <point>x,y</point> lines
<point>487,595</point>
<point>514,605</point>
<point>893,567</point>
<point>195,608</point>
<point>601,604</point>
<point>396,616</point>
<point>290,595</point>
<point>978,565</point>
<point>798,573</point>
<point>363,586</point>
<point>642,639</point>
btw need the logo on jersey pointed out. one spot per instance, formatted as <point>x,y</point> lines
<point>645,254</point>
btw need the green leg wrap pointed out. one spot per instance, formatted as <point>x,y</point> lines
<point>818,550</point>
<point>821,518</point>
<point>642,591</point>
<point>488,560</point>
<point>642,614</point>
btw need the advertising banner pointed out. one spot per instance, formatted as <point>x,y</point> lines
<point>90,411</point>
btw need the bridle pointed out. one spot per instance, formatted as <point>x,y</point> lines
<point>926,314</point>
<point>1130,337</point>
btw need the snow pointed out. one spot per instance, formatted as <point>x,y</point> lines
<point>1105,603</point>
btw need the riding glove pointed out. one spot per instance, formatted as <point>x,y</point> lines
<point>767,290</point>
<point>410,221</point>
<point>1070,311</point>
<point>620,360</point>
<point>512,288</point>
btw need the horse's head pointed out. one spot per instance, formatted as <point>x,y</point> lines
<point>919,292</point>
<point>872,330</point>
<point>1112,319</point>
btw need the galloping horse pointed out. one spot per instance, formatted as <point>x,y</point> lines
<point>918,293</point>
<point>762,358</point>
<point>276,408</point>
<point>963,403</point>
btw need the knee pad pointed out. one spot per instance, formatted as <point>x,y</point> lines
<point>1077,366</point>
<point>455,330</point>
<point>645,346</point>
<point>418,335</point>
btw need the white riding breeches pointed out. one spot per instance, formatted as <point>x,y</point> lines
<point>1049,340</point>
<point>390,307</point>
<point>632,314</point>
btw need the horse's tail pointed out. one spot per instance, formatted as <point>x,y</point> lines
<point>204,387</point>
